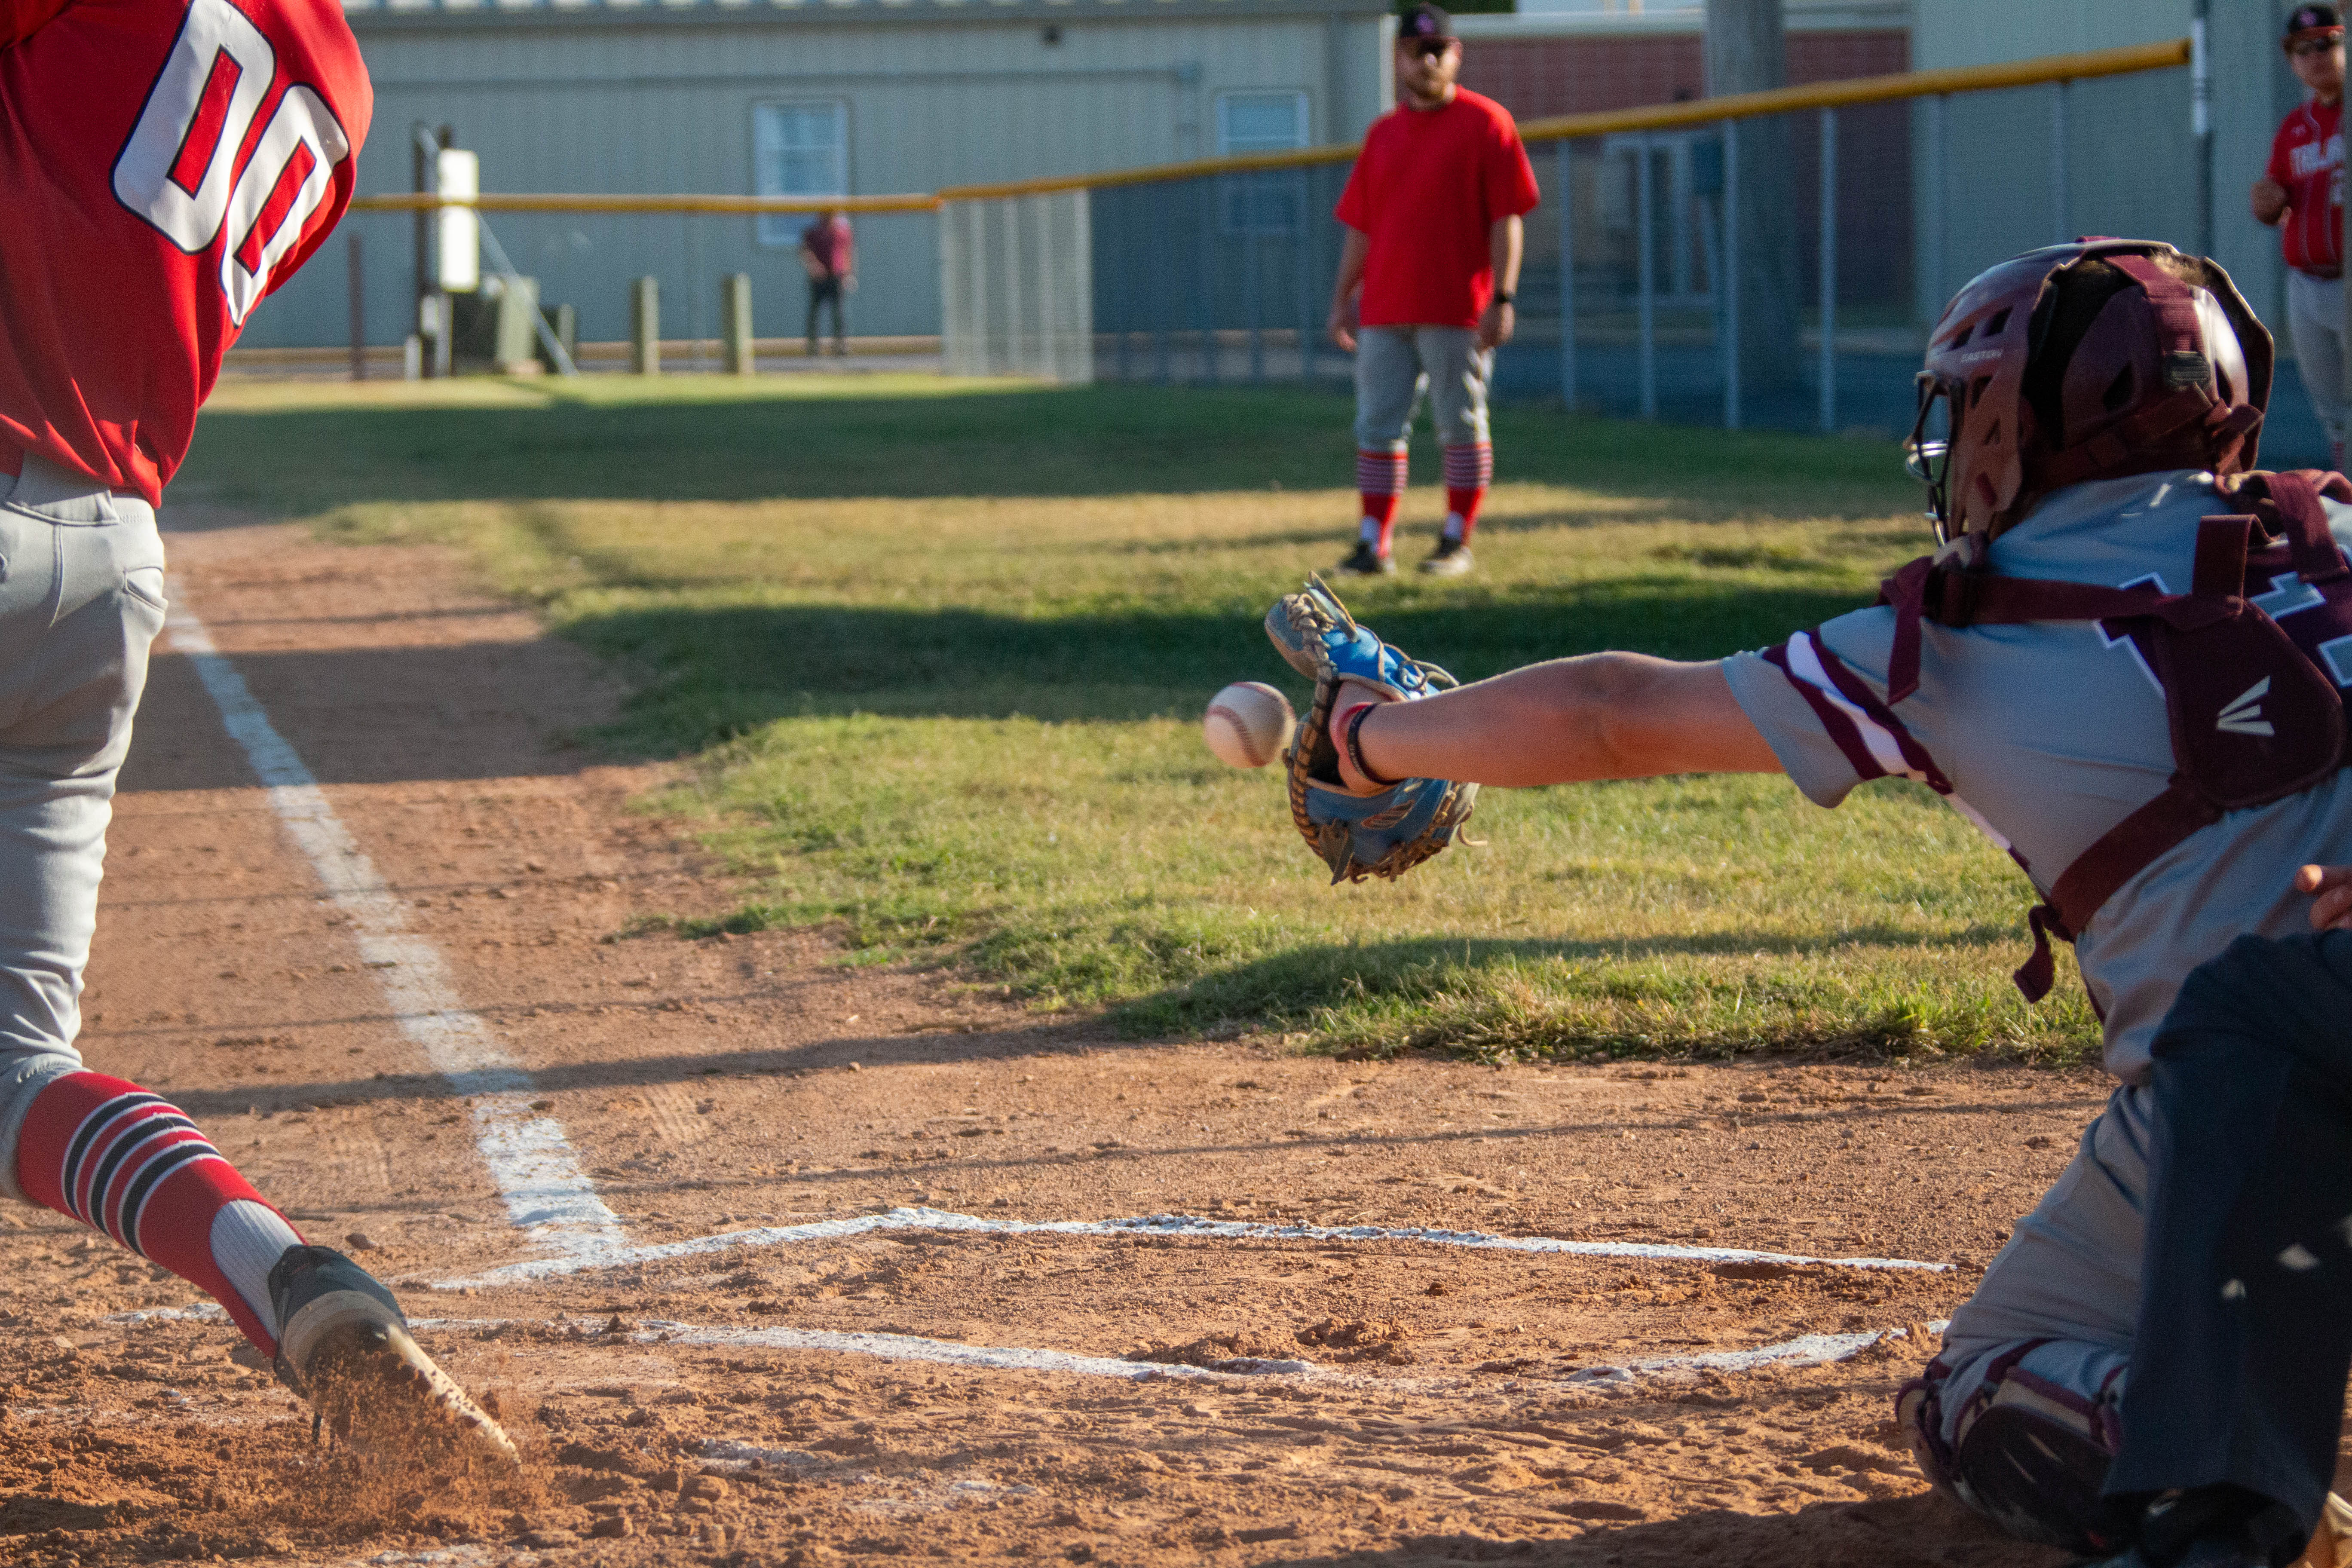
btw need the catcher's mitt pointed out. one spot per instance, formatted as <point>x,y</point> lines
<point>1383,834</point>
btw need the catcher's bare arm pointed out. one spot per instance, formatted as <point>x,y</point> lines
<point>1603,715</point>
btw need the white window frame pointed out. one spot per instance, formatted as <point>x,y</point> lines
<point>783,229</point>
<point>1271,205</point>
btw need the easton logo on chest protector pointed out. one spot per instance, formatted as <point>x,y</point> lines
<point>2254,681</point>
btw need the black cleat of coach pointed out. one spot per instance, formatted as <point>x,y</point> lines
<point>344,1345</point>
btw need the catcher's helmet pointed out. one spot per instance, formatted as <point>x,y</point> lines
<point>2089,361</point>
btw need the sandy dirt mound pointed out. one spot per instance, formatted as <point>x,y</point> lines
<point>897,1365</point>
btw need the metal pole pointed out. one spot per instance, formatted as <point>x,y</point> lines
<point>1646,284</point>
<point>1303,251</point>
<point>421,150</point>
<point>1566,275</point>
<point>359,309</point>
<point>1206,257</point>
<point>1932,240</point>
<point>1731,373</point>
<point>694,290</point>
<point>1829,269</point>
<point>1162,296</point>
<point>2062,206</point>
<point>2201,121</point>
<point>1250,301</point>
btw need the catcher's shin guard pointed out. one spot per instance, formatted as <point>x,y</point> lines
<point>2028,1457</point>
<point>1357,836</point>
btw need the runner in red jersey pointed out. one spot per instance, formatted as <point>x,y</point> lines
<point>163,166</point>
<point>166,165</point>
<point>2303,193</point>
<point>1432,210</point>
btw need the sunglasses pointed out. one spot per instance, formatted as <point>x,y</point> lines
<point>1428,48</point>
<point>2311,47</point>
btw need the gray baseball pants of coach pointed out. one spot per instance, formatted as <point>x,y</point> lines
<point>1396,365</point>
<point>81,599</point>
<point>2314,317</point>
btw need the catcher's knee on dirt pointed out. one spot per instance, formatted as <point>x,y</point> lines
<point>2025,1453</point>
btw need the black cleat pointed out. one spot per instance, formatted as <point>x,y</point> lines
<point>343,1345</point>
<point>1367,562</point>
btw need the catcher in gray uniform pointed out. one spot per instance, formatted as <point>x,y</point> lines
<point>2124,663</point>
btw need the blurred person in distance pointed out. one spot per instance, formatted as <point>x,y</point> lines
<point>829,257</point>
<point>1424,295</point>
<point>2302,193</point>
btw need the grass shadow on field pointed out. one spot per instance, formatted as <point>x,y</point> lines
<point>717,670</point>
<point>1555,996</point>
<point>908,437</point>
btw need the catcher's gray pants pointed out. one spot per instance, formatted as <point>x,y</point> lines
<point>2048,1337</point>
<point>1395,365</point>
<point>81,598</point>
<point>2315,315</point>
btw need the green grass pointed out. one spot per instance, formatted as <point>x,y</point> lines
<point>937,651</point>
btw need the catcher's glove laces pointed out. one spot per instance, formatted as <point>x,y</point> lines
<point>1391,831</point>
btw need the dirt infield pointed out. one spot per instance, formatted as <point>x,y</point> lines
<point>930,1338</point>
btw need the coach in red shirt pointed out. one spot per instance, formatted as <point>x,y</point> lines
<point>1424,294</point>
<point>2303,193</point>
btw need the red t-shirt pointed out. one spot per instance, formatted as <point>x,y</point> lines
<point>163,166</point>
<point>1428,186</point>
<point>2307,158</point>
<point>828,240</point>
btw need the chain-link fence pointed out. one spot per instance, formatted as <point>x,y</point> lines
<point>1760,267</point>
<point>1772,260</point>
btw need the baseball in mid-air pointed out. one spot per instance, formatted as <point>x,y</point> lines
<point>1248,724</point>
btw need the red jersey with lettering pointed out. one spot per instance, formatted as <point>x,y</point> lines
<point>163,166</point>
<point>1426,189</point>
<point>2307,158</point>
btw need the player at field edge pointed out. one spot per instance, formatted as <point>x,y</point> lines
<point>164,165</point>
<point>829,257</point>
<point>2301,193</point>
<point>1428,269</point>
<point>2098,520</point>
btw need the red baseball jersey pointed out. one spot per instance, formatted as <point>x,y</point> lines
<point>830,241</point>
<point>2307,158</point>
<point>163,166</point>
<point>1428,186</point>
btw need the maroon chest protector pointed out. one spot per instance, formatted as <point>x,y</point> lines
<point>2255,661</point>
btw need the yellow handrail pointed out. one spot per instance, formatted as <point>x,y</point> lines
<point>2038,71</point>
<point>2035,72</point>
<point>418,201</point>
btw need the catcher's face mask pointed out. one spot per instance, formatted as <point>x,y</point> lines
<point>1928,451</point>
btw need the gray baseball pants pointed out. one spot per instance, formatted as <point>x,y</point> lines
<point>1395,366</point>
<point>81,599</point>
<point>2314,316</point>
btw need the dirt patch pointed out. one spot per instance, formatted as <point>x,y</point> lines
<point>862,1383</point>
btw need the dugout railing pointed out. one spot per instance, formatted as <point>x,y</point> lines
<point>1770,257</point>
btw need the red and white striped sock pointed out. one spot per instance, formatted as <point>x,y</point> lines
<point>1380,485</point>
<point>120,1160</point>
<point>1469,469</point>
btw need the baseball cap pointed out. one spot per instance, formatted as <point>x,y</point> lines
<point>2313,22</point>
<point>1427,21</point>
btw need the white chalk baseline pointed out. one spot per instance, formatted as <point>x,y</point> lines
<point>551,1199</point>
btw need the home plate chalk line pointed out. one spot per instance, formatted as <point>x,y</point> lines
<point>1166,1225</point>
<point>551,1199</point>
<point>1805,1350</point>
